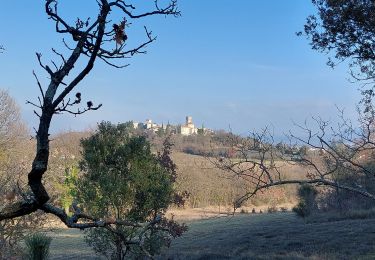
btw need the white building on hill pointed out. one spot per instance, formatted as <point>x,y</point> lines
<point>188,128</point>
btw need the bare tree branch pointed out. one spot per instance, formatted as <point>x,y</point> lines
<point>328,153</point>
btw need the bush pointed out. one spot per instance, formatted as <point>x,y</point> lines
<point>301,209</point>
<point>122,179</point>
<point>14,231</point>
<point>283,209</point>
<point>307,201</point>
<point>272,209</point>
<point>37,246</point>
<point>339,200</point>
<point>194,150</point>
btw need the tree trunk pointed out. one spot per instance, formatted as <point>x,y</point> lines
<point>118,249</point>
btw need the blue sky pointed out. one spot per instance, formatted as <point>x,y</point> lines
<point>234,63</point>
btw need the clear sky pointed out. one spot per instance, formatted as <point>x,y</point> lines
<point>234,63</point>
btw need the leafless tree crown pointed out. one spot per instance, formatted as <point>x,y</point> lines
<point>324,155</point>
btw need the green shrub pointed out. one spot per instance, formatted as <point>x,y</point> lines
<point>301,209</point>
<point>122,179</point>
<point>37,246</point>
<point>307,201</point>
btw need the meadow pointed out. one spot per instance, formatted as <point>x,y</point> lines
<point>251,236</point>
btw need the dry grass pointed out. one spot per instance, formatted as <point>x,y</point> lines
<point>252,236</point>
<point>275,236</point>
<point>210,186</point>
<point>66,243</point>
<point>211,212</point>
<point>70,244</point>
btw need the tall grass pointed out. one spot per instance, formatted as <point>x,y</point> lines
<point>37,246</point>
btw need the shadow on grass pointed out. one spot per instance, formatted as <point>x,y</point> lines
<point>251,236</point>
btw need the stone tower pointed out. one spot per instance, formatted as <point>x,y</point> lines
<point>189,120</point>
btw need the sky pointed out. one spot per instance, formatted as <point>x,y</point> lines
<point>230,64</point>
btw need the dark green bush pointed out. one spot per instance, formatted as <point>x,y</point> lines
<point>301,209</point>
<point>307,201</point>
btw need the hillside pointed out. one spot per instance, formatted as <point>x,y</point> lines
<point>210,186</point>
<point>207,185</point>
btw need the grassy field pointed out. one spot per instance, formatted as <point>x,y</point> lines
<point>70,244</point>
<point>247,236</point>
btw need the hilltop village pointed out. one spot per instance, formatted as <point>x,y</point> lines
<point>186,129</point>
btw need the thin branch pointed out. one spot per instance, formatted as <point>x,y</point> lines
<point>39,85</point>
<point>45,67</point>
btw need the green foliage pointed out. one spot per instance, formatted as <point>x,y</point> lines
<point>37,246</point>
<point>345,29</point>
<point>201,130</point>
<point>122,179</point>
<point>121,175</point>
<point>161,132</point>
<point>69,188</point>
<point>301,209</point>
<point>307,201</point>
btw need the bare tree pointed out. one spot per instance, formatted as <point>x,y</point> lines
<point>14,160</point>
<point>11,124</point>
<point>92,39</point>
<point>9,111</point>
<point>325,154</point>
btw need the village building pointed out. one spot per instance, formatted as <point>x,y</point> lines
<point>188,128</point>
